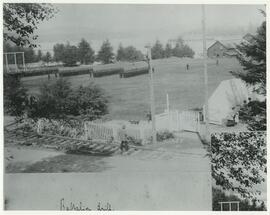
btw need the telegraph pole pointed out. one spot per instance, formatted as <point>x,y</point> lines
<point>206,111</point>
<point>152,98</point>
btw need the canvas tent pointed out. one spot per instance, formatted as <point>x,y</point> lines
<point>229,94</point>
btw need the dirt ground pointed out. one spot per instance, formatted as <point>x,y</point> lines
<point>175,176</point>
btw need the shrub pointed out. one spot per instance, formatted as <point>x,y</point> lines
<point>164,135</point>
<point>134,72</point>
<point>71,128</point>
<point>136,142</point>
<point>106,72</point>
<point>58,101</point>
<point>71,71</point>
<point>40,71</point>
<point>15,96</point>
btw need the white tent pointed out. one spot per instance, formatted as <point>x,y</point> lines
<point>229,94</point>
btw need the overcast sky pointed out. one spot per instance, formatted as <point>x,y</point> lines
<point>96,21</point>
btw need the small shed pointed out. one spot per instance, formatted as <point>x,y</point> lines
<point>216,50</point>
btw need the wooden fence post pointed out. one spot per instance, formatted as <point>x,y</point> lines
<point>142,134</point>
<point>85,131</point>
<point>39,129</point>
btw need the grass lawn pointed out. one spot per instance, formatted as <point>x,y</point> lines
<point>129,97</point>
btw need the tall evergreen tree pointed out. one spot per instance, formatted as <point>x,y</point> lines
<point>85,52</point>
<point>120,53</point>
<point>39,55</point>
<point>157,50</point>
<point>168,50</point>
<point>105,54</point>
<point>252,56</point>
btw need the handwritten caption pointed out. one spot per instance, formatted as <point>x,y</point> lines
<point>71,206</point>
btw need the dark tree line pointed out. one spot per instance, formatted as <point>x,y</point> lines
<point>129,53</point>
<point>179,50</point>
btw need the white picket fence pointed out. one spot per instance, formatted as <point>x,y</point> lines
<point>105,131</point>
<point>171,121</point>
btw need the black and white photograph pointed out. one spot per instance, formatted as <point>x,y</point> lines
<point>134,107</point>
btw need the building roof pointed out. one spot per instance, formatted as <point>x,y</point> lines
<point>217,42</point>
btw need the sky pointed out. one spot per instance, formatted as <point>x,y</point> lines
<point>97,22</point>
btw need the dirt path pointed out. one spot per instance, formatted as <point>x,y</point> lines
<point>144,180</point>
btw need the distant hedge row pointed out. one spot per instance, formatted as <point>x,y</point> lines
<point>107,71</point>
<point>39,71</point>
<point>125,71</point>
<point>134,72</point>
<point>71,71</point>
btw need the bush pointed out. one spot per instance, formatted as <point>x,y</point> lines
<point>40,71</point>
<point>108,69</point>
<point>71,128</point>
<point>134,72</point>
<point>15,96</point>
<point>164,135</point>
<point>71,71</point>
<point>58,101</point>
<point>133,141</point>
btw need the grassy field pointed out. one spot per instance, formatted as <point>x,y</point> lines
<point>129,97</point>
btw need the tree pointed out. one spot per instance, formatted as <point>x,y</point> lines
<point>252,57</point>
<point>88,102</point>
<point>129,54</point>
<point>70,55</point>
<point>120,53</point>
<point>182,50</point>
<point>21,20</point>
<point>239,161</point>
<point>59,101</point>
<point>157,51</point>
<point>15,96</point>
<point>47,57</point>
<point>58,52</point>
<point>168,52</point>
<point>39,55</point>
<point>105,53</point>
<point>85,52</point>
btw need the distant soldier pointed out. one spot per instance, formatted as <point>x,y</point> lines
<point>148,116</point>
<point>187,66</point>
<point>124,141</point>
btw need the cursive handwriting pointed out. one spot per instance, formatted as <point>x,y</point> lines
<point>80,207</point>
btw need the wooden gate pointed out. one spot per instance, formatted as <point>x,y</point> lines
<point>189,121</point>
<point>175,121</point>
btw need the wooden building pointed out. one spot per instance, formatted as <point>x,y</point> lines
<point>216,50</point>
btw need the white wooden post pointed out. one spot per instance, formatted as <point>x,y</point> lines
<point>167,102</point>
<point>142,134</point>
<point>15,61</point>
<point>39,126</point>
<point>85,131</point>
<point>6,62</point>
<point>177,121</point>
<point>115,133</point>
<point>23,62</point>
